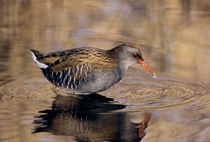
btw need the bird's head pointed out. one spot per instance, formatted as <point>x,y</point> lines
<point>130,55</point>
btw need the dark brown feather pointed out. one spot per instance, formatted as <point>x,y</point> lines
<point>97,58</point>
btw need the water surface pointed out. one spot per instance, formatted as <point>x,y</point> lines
<point>174,39</point>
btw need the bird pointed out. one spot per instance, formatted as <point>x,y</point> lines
<point>88,70</point>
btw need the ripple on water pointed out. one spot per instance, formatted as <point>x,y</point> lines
<point>156,93</point>
<point>25,98</point>
<point>20,102</point>
<point>131,91</point>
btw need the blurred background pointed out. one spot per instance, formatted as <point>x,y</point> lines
<point>174,37</point>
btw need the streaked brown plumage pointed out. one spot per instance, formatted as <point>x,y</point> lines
<point>87,70</point>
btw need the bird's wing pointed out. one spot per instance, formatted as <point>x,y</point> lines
<point>77,63</point>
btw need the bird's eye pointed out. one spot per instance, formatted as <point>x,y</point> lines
<point>135,55</point>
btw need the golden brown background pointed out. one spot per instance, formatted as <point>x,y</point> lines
<point>174,36</point>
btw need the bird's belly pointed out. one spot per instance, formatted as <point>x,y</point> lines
<point>100,80</point>
<point>95,81</point>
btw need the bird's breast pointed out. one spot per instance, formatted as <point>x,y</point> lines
<point>101,79</point>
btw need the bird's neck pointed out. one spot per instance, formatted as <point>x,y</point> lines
<point>115,52</point>
<point>119,53</point>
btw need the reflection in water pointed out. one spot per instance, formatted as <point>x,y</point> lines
<point>84,117</point>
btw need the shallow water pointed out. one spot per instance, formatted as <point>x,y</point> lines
<point>174,39</point>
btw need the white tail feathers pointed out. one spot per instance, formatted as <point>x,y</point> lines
<point>41,65</point>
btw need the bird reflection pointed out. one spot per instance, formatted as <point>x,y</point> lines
<point>87,118</point>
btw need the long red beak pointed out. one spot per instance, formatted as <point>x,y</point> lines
<point>143,63</point>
